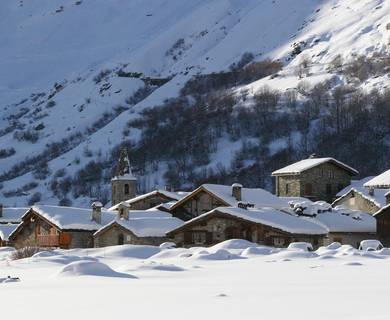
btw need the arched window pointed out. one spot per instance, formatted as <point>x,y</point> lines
<point>127,189</point>
<point>120,239</point>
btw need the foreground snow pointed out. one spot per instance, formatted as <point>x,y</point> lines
<point>232,280</point>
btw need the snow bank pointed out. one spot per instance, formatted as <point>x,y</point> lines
<point>234,244</point>
<point>90,268</point>
<point>220,254</point>
<point>253,251</point>
<point>153,265</point>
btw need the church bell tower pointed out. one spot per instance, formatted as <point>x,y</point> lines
<point>124,183</point>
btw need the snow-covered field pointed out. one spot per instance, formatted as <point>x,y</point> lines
<point>232,280</point>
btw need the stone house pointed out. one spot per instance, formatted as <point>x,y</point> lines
<point>266,226</point>
<point>358,197</point>
<point>344,225</point>
<point>141,227</point>
<point>60,227</point>
<point>210,196</point>
<point>151,199</point>
<point>313,178</point>
<point>10,218</point>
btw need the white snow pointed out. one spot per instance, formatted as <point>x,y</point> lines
<point>337,219</point>
<point>147,226</point>
<point>280,284</point>
<point>378,198</point>
<point>306,164</point>
<point>6,229</point>
<point>12,215</point>
<point>72,218</point>
<point>169,194</point>
<point>269,217</point>
<point>381,181</point>
<point>257,196</point>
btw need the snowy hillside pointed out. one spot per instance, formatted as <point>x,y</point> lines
<point>76,76</point>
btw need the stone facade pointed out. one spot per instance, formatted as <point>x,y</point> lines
<point>319,183</point>
<point>355,201</point>
<point>37,231</point>
<point>217,227</point>
<point>122,190</point>
<point>199,203</point>
<point>117,235</point>
<point>150,202</point>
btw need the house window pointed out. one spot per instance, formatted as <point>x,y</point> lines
<point>331,174</point>
<point>328,188</point>
<point>320,172</point>
<point>128,238</point>
<point>199,237</point>
<point>308,189</point>
<point>278,242</point>
<point>287,188</point>
<point>127,189</point>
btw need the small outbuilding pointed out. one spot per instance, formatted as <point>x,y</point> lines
<point>142,227</point>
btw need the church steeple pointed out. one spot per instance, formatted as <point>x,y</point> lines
<point>123,168</point>
<point>124,183</point>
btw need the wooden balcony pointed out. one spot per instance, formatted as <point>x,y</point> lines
<point>48,240</point>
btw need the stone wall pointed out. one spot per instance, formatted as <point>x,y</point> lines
<point>319,177</point>
<point>118,190</point>
<point>81,239</point>
<point>111,237</point>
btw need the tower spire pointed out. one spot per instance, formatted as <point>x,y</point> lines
<point>123,169</point>
<point>124,183</point>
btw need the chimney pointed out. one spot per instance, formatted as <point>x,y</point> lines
<point>1,210</point>
<point>97,212</point>
<point>313,156</point>
<point>123,210</point>
<point>236,191</point>
<point>371,191</point>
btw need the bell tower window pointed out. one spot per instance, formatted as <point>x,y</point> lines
<point>127,189</point>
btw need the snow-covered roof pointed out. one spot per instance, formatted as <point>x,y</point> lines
<point>380,181</point>
<point>306,164</point>
<point>72,218</point>
<point>270,217</point>
<point>146,226</point>
<point>257,196</point>
<point>378,197</point>
<point>169,194</point>
<point>6,230</point>
<point>12,215</point>
<point>338,219</point>
<point>127,176</point>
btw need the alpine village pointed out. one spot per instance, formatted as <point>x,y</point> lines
<point>316,201</point>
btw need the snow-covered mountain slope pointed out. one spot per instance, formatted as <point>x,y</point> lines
<point>74,73</point>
